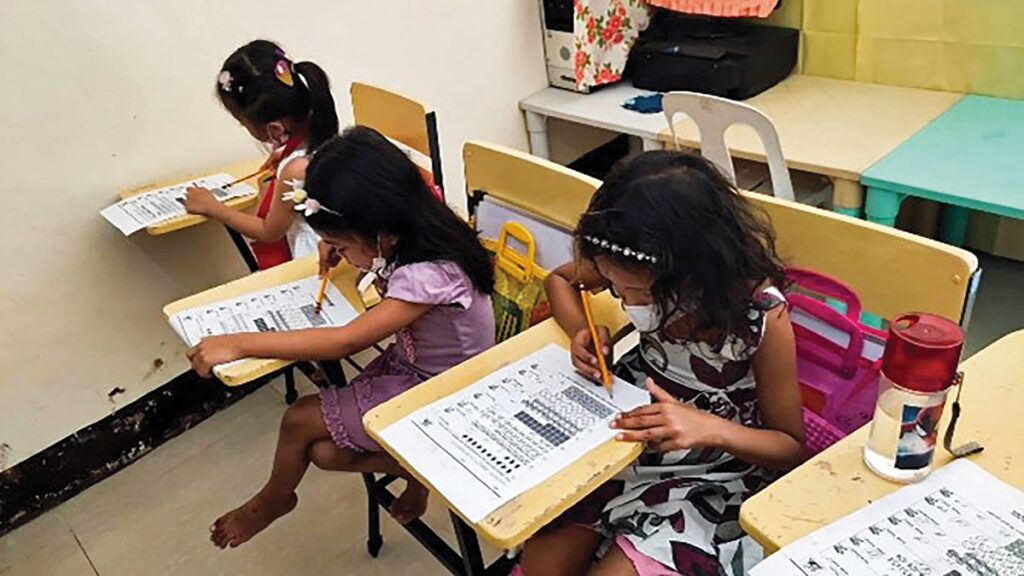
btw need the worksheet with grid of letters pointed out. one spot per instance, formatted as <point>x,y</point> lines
<point>154,206</point>
<point>960,521</point>
<point>504,434</point>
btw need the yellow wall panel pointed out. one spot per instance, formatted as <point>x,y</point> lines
<point>830,54</point>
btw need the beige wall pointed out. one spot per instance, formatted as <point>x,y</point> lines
<point>99,96</point>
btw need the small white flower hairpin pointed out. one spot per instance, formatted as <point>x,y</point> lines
<point>225,80</point>
<point>303,203</point>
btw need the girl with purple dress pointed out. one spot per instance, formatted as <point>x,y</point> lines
<point>697,273</point>
<point>370,205</point>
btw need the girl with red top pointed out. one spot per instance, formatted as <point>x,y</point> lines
<point>287,105</point>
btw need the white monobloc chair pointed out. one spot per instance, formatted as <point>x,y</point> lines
<point>713,116</point>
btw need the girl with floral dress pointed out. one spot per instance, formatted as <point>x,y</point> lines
<point>697,273</point>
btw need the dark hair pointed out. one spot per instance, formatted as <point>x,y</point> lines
<point>710,247</point>
<point>250,89</point>
<point>370,187</point>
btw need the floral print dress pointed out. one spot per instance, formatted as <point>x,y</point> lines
<point>681,508</point>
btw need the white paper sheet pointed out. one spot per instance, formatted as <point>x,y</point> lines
<point>508,432</point>
<point>154,206</point>
<point>285,307</point>
<point>960,521</point>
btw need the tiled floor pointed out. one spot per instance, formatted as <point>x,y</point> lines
<point>152,517</point>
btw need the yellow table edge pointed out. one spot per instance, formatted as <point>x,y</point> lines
<point>515,521</point>
<point>237,169</point>
<point>343,276</point>
<point>758,523</point>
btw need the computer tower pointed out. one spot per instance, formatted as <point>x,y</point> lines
<point>557,27</point>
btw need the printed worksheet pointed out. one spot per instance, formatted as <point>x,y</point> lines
<point>508,432</point>
<point>289,306</point>
<point>154,206</point>
<point>960,521</point>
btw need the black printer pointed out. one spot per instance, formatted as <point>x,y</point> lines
<point>724,57</point>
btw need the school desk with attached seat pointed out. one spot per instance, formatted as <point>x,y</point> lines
<point>835,128</point>
<point>511,524</point>
<point>836,482</point>
<point>237,170</point>
<point>967,158</point>
<point>343,276</point>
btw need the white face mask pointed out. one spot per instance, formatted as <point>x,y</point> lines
<point>378,268</point>
<point>645,318</point>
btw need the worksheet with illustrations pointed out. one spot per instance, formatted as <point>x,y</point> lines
<point>960,521</point>
<point>154,206</point>
<point>504,434</point>
<point>285,307</point>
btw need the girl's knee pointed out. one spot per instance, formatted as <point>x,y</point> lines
<point>567,550</point>
<point>301,416</point>
<point>325,455</point>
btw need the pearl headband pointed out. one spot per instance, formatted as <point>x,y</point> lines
<point>624,250</point>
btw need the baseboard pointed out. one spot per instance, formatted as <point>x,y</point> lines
<point>73,464</point>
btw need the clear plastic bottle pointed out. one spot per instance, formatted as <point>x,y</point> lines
<point>918,368</point>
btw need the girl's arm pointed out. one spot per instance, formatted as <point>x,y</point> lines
<point>271,229</point>
<point>562,287</point>
<point>672,425</point>
<point>368,328</point>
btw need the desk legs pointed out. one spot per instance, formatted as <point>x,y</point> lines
<point>537,126</point>
<point>954,224</point>
<point>882,206</point>
<point>652,144</point>
<point>847,197</point>
<point>243,249</point>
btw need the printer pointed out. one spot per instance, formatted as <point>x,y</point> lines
<point>725,57</point>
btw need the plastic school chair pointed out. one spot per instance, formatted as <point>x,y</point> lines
<point>714,116</point>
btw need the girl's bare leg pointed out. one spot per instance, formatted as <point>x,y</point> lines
<point>302,426</point>
<point>410,505</point>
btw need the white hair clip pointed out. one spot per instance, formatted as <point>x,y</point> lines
<point>303,203</point>
<point>624,250</point>
<point>225,80</point>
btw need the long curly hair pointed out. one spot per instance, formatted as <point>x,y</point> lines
<point>711,248</point>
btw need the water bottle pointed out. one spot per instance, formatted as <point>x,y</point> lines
<point>918,368</point>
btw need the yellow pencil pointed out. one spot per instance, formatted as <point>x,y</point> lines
<point>606,377</point>
<point>244,178</point>
<point>323,292</point>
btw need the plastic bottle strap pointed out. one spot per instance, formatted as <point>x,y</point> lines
<point>947,441</point>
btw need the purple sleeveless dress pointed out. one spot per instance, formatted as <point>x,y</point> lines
<point>459,326</point>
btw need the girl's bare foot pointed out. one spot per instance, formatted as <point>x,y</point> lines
<point>238,526</point>
<point>411,504</point>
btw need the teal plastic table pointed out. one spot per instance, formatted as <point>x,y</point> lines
<point>970,157</point>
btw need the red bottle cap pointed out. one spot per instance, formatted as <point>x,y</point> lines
<point>922,352</point>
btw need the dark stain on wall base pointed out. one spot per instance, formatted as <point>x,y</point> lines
<point>93,453</point>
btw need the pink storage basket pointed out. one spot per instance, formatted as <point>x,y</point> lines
<point>818,433</point>
<point>838,358</point>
